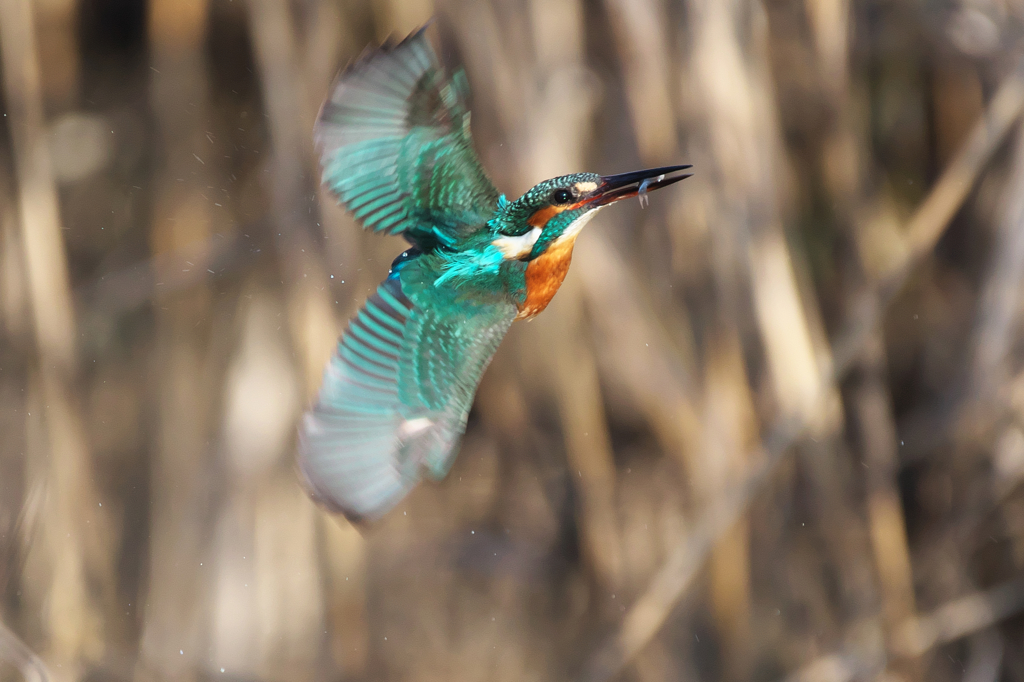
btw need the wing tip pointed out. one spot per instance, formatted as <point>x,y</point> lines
<point>366,57</point>
<point>388,46</point>
<point>320,497</point>
<point>360,514</point>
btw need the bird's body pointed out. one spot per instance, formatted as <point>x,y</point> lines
<point>396,150</point>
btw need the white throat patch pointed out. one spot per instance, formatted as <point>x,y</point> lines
<point>577,225</point>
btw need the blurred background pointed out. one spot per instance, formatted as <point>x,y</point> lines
<point>772,427</point>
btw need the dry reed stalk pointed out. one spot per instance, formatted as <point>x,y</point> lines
<point>730,426</point>
<point>744,140</point>
<point>728,418</point>
<point>495,51</point>
<point>559,107</point>
<point>958,99</point>
<point>345,574</point>
<point>588,444</point>
<point>293,90</point>
<point>840,152</point>
<point>959,618</point>
<point>17,653</point>
<point>840,161</point>
<point>165,274</point>
<point>1000,297</point>
<point>639,353</point>
<point>292,96</point>
<point>830,28</point>
<point>15,330</point>
<point>986,659</point>
<point>174,641</point>
<point>647,614</point>
<point>343,552</point>
<point>267,605</point>
<point>871,406</point>
<point>633,363</point>
<point>870,402</point>
<point>329,43</point>
<point>14,311</point>
<point>328,37</point>
<point>934,213</point>
<point>74,544</point>
<point>640,36</point>
<point>956,619</point>
<point>278,57</point>
<point>45,260</point>
<point>947,195</point>
<point>401,17</point>
<point>59,51</point>
<point>925,428</point>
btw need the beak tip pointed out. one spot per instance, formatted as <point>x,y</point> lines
<point>620,186</point>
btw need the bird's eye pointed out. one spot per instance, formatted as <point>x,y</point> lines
<point>561,196</point>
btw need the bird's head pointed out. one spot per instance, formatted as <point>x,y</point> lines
<point>557,209</point>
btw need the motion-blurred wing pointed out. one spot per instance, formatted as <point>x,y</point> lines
<point>394,400</point>
<point>395,145</point>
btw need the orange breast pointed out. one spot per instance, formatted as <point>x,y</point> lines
<point>544,275</point>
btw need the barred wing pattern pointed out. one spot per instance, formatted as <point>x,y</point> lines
<point>394,400</point>
<point>395,146</point>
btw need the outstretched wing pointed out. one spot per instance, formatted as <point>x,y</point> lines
<point>395,145</point>
<point>394,399</point>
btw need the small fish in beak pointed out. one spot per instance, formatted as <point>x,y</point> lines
<point>642,191</point>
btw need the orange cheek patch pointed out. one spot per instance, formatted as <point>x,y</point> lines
<point>544,275</point>
<point>541,217</point>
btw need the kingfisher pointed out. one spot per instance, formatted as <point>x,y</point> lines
<point>394,144</point>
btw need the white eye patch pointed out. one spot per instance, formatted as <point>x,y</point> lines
<point>519,246</point>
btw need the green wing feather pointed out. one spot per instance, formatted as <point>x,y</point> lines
<point>395,146</point>
<point>396,395</point>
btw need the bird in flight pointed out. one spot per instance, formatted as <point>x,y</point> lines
<point>395,149</point>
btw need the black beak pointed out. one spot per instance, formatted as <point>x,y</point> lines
<point>625,185</point>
